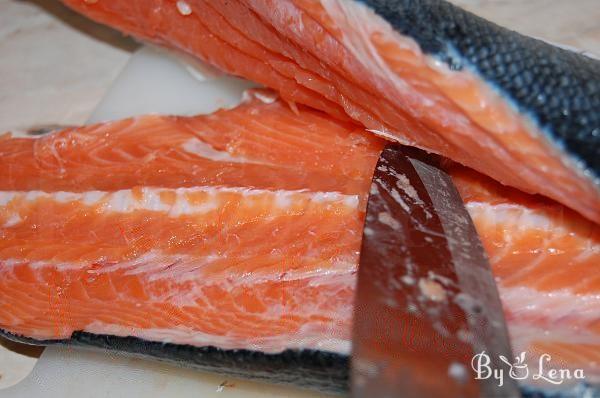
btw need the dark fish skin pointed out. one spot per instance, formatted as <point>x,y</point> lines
<point>557,88</point>
<point>312,369</point>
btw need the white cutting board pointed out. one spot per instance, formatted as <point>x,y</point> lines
<point>151,82</point>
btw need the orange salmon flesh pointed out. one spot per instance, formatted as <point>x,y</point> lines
<point>242,229</point>
<point>340,57</point>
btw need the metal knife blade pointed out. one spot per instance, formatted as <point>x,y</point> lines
<point>426,299</point>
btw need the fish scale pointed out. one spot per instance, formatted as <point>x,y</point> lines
<point>558,88</point>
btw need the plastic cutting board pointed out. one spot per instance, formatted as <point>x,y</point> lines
<point>152,82</point>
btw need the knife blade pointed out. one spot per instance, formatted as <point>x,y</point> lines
<point>426,300</point>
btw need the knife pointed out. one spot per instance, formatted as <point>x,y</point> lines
<point>426,300</point>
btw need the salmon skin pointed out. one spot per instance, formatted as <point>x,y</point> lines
<point>420,72</point>
<point>316,370</point>
<point>207,241</point>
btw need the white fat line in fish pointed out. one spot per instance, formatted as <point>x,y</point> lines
<point>202,149</point>
<point>554,306</point>
<point>149,198</point>
<point>154,265</point>
<point>520,219</point>
<point>517,215</point>
<point>309,336</point>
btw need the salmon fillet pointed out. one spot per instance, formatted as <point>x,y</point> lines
<point>546,260</point>
<point>242,230</point>
<point>196,229</point>
<point>423,73</point>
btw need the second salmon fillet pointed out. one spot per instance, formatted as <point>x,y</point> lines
<point>421,72</point>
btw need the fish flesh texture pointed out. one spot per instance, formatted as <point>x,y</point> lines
<point>231,242</point>
<point>546,260</point>
<point>234,231</point>
<point>421,72</point>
